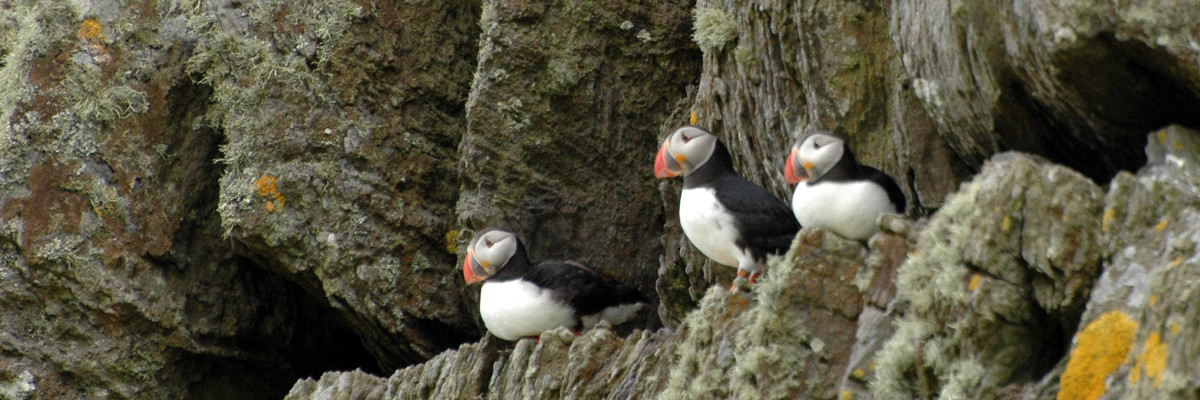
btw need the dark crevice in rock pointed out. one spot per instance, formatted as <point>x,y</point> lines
<point>443,335</point>
<point>1131,89</point>
<point>1049,347</point>
<point>291,334</point>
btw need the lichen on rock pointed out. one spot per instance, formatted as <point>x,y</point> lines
<point>1001,272</point>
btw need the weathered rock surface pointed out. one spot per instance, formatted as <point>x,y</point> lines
<point>996,282</point>
<point>567,104</point>
<point>209,199</point>
<point>1079,82</point>
<point>116,281</point>
<point>317,98</point>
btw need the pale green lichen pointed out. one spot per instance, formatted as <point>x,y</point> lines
<point>964,379</point>
<point>895,374</point>
<point>85,92</point>
<point>761,351</point>
<point>712,28</point>
<point>18,386</point>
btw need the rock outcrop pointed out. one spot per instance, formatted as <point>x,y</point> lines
<point>791,337</point>
<point>213,199</point>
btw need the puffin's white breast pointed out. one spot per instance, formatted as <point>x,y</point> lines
<point>518,308</point>
<point>709,226</point>
<point>849,209</point>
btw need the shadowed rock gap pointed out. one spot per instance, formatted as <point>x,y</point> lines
<point>1132,88</point>
<point>292,334</point>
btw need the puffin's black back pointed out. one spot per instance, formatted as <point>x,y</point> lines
<point>767,224</point>
<point>586,290</point>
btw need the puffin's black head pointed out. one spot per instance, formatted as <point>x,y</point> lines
<point>684,151</point>
<point>488,252</point>
<point>814,155</point>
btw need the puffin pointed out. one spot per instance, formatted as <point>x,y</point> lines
<point>731,220</point>
<point>522,299</point>
<point>834,191</point>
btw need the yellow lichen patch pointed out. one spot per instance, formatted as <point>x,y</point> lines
<point>452,241</point>
<point>1006,224</point>
<point>266,188</point>
<point>92,33</point>
<point>1174,328</point>
<point>1162,137</point>
<point>1152,300</point>
<point>871,366</point>
<point>1176,262</point>
<point>1162,225</point>
<point>1100,348</point>
<point>1152,361</point>
<point>846,394</point>
<point>974,282</point>
<point>90,30</point>
<point>693,119</point>
<point>1109,214</point>
<point>858,373</point>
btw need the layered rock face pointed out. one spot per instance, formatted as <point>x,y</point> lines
<point>214,199</point>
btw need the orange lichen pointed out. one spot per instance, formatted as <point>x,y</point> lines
<point>1101,347</point>
<point>1174,328</point>
<point>267,189</point>
<point>1176,262</point>
<point>1152,361</point>
<point>90,30</point>
<point>92,33</point>
<point>859,373</point>
<point>1161,225</point>
<point>974,282</point>
<point>1152,300</point>
<point>846,394</point>
<point>693,118</point>
<point>1006,224</point>
<point>1109,214</point>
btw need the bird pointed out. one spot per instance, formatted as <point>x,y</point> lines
<point>834,191</point>
<point>731,220</point>
<point>522,299</point>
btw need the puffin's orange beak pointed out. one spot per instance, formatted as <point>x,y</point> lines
<point>469,269</point>
<point>665,166</point>
<point>790,173</point>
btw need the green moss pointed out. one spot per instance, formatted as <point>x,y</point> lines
<point>712,28</point>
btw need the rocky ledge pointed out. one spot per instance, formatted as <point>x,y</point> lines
<point>989,293</point>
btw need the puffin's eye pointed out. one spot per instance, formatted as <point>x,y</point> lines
<point>816,144</point>
<point>488,242</point>
<point>686,138</point>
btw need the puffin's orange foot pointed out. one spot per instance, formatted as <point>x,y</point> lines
<point>754,277</point>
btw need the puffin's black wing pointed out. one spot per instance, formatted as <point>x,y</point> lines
<point>767,224</point>
<point>888,184</point>
<point>586,290</point>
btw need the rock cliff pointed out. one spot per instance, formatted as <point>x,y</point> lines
<point>231,198</point>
